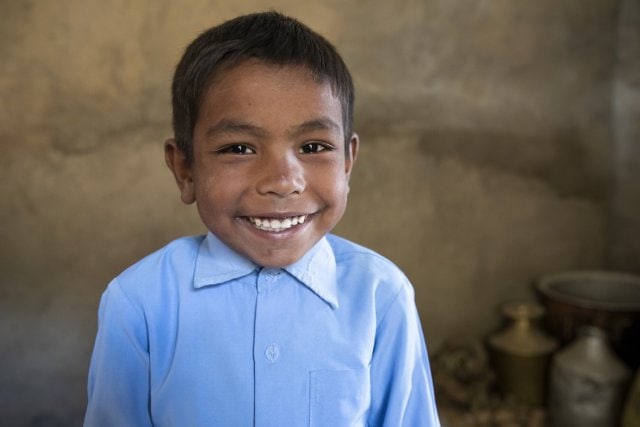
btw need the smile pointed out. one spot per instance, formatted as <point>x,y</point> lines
<point>277,224</point>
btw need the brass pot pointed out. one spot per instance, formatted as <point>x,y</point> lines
<point>521,354</point>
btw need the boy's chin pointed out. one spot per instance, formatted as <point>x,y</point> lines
<point>275,256</point>
<point>276,259</point>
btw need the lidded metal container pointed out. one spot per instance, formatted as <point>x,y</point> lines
<point>521,353</point>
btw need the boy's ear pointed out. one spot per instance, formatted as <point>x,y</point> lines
<point>351,153</point>
<point>177,161</point>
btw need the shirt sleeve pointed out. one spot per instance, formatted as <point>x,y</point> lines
<point>401,384</point>
<point>118,386</point>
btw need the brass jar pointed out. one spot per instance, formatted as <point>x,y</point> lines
<point>521,354</point>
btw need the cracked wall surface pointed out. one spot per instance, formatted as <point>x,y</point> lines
<point>498,143</point>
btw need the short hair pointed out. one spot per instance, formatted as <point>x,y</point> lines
<point>267,36</point>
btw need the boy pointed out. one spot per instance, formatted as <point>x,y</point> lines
<point>268,319</point>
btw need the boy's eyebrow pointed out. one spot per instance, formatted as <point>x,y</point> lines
<point>321,123</point>
<point>234,126</point>
<point>237,126</point>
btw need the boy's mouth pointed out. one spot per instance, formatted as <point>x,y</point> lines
<point>277,224</point>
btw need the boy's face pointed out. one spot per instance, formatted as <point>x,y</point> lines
<point>270,173</point>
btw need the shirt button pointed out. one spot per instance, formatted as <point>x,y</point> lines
<point>272,275</point>
<point>272,353</point>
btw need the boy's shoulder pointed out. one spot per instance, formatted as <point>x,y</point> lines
<point>180,254</point>
<point>355,256</point>
<point>343,247</point>
<point>366,272</point>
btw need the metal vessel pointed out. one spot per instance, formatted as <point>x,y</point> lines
<point>606,299</point>
<point>588,383</point>
<point>521,354</point>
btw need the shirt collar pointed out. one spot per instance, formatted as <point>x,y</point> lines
<point>317,270</point>
<point>216,263</point>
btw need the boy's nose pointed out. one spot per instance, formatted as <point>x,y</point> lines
<point>281,176</point>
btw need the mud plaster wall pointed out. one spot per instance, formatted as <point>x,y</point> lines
<point>493,134</point>
<point>625,218</point>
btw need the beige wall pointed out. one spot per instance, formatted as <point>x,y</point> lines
<point>487,153</point>
<point>625,215</point>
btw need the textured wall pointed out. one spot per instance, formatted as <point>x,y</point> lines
<point>486,158</point>
<point>625,218</point>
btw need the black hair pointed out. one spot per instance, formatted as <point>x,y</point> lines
<point>267,36</point>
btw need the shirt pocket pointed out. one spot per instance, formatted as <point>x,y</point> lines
<point>338,398</point>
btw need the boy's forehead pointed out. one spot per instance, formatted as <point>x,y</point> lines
<point>249,78</point>
<point>255,65</point>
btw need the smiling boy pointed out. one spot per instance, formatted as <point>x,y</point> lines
<point>268,319</point>
<point>271,164</point>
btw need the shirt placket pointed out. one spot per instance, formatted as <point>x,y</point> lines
<point>268,348</point>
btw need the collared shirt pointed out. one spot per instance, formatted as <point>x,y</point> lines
<point>196,335</point>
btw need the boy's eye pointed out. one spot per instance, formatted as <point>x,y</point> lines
<point>313,147</point>
<point>237,149</point>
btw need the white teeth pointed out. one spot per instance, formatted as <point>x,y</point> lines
<point>273,224</point>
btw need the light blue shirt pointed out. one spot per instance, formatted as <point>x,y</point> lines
<point>196,335</point>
